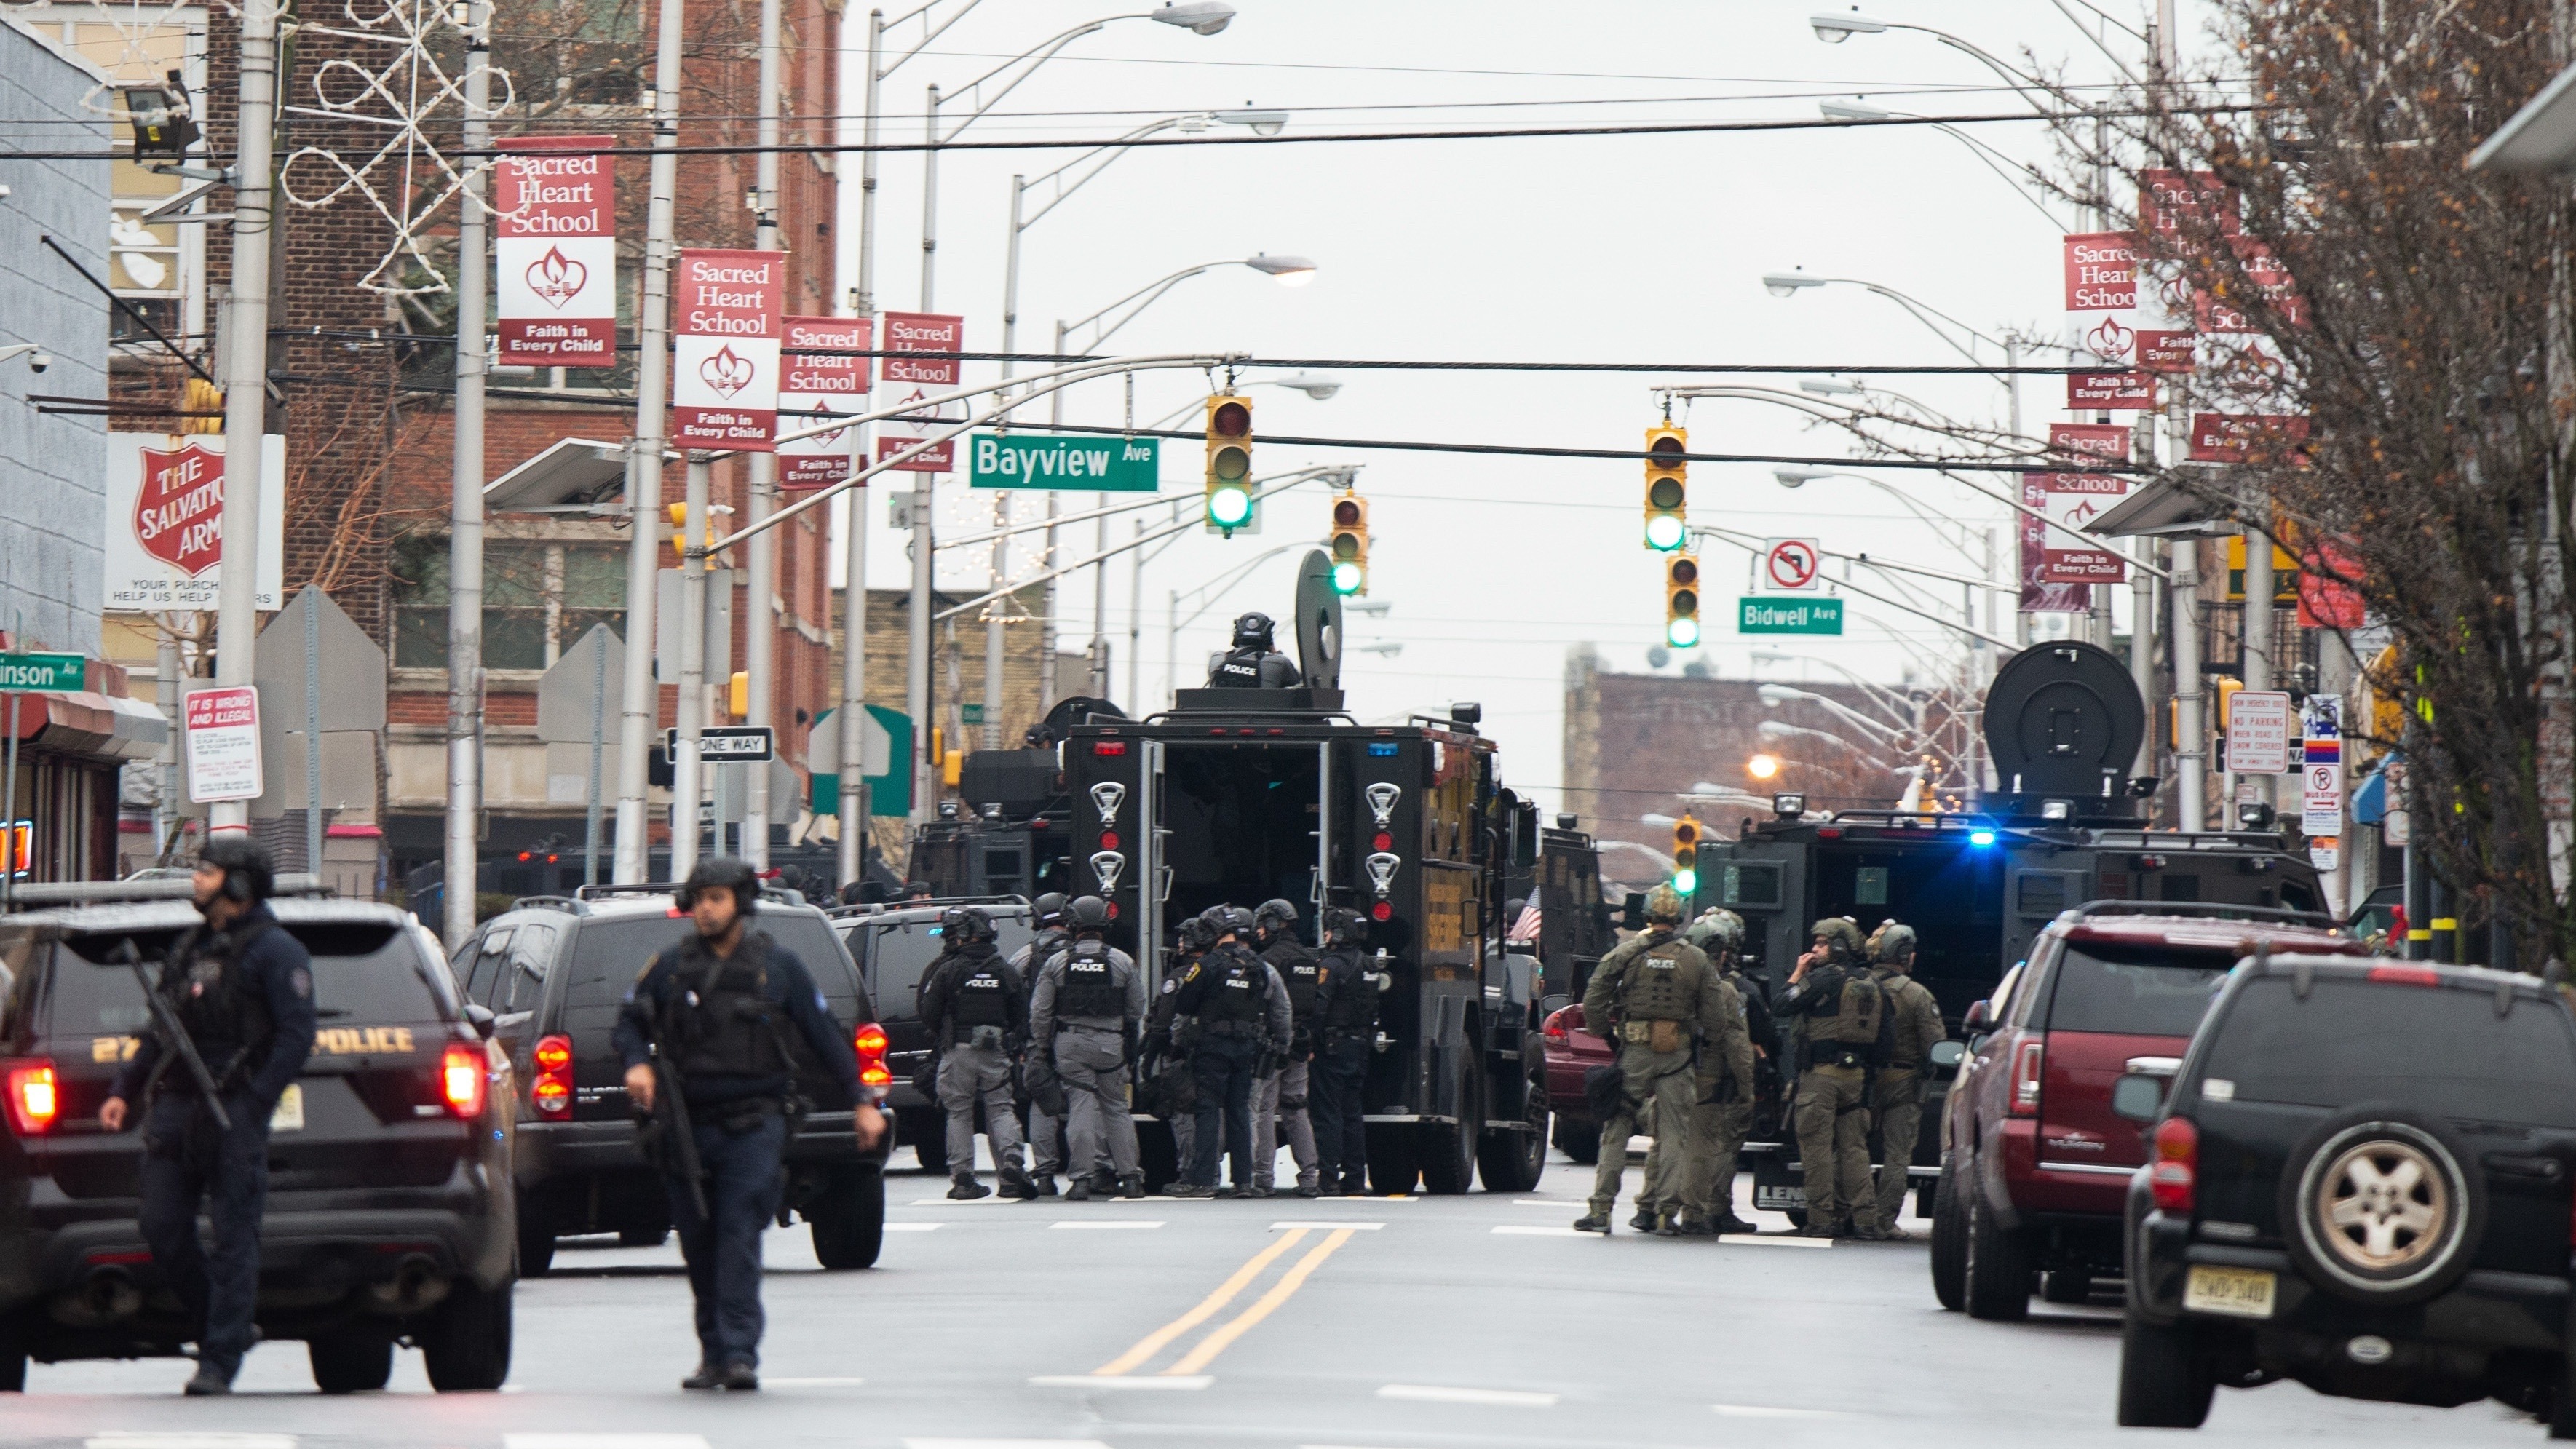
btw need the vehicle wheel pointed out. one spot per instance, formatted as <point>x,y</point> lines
<point>1949,1242</point>
<point>536,1241</point>
<point>1158,1156</point>
<point>350,1362</point>
<point>2165,1383</point>
<point>1392,1163</point>
<point>642,1237</point>
<point>2378,1208</point>
<point>2562,1408</point>
<point>1513,1161</point>
<point>1926,1200</point>
<point>1999,1267</point>
<point>13,1353</point>
<point>1577,1139</point>
<point>848,1224</point>
<point>467,1340</point>
<point>2066,1285</point>
<point>1449,1152</point>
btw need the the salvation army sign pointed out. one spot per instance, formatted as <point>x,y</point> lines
<point>724,352</point>
<point>164,528</point>
<point>555,248</point>
<point>825,375</point>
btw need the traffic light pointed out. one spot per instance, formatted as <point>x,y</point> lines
<point>1350,544</point>
<point>1667,498</point>
<point>680,529</point>
<point>1686,857</point>
<point>1229,463</point>
<point>1681,600</point>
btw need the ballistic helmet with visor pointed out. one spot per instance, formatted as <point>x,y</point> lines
<point>965,923</point>
<point>1664,906</point>
<point>1087,914</point>
<point>724,871</point>
<point>250,874</point>
<point>1049,908</point>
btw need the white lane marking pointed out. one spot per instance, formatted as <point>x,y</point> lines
<point>1329,1227</point>
<point>1123,1381</point>
<point>767,1382</point>
<point>1520,1230</point>
<point>1772,1240</point>
<point>1104,1225</point>
<point>995,1200</point>
<point>1764,1411</point>
<point>604,1441</point>
<point>1003,1444</point>
<point>1444,1394</point>
<point>914,1227</point>
<point>1554,1202</point>
<point>146,1439</point>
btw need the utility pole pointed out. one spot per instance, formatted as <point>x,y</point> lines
<point>465,532</point>
<point>245,344</point>
<point>854,542</point>
<point>916,673</point>
<point>762,568</point>
<point>687,770</point>
<point>642,698</point>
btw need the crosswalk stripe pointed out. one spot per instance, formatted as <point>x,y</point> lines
<point>1104,1225</point>
<point>191,1439</point>
<point>1003,1444</point>
<point>1524,1230</point>
<point>1760,1411</point>
<point>604,1441</point>
<point>1445,1394</point>
<point>1774,1240</point>
<point>914,1227</point>
<point>1331,1227</point>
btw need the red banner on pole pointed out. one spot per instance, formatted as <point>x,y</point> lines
<point>2038,594</point>
<point>2131,391</point>
<point>555,246</point>
<point>831,381</point>
<point>724,352</point>
<point>2101,272</point>
<point>914,379</point>
<point>2247,438</point>
<point>2075,499</point>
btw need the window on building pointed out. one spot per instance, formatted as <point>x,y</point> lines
<point>538,600</point>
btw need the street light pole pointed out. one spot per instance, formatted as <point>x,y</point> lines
<point>465,503</point>
<point>761,569</point>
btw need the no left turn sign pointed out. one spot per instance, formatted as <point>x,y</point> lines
<point>1790,563</point>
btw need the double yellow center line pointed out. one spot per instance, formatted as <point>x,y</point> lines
<point>1204,1352</point>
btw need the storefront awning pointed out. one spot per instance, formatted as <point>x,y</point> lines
<point>85,722</point>
<point>2162,510</point>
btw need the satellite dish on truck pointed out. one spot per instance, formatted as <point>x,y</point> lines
<point>1319,622</point>
<point>2064,721</point>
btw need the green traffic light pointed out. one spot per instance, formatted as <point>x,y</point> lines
<point>1347,577</point>
<point>1682,633</point>
<point>1664,531</point>
<point>1686,882</point>
<point>1229,507</point>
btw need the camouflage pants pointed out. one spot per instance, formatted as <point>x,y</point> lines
<point>1657,1088</point>
<point>1706,1176</point>
<point>1833,1142</point>
<point>1896,1101</point>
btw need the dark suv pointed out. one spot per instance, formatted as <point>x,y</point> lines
<point>894,948</point>
<point>553,971</point>
<point>2034,1164</point>
<point>2361,1182</point>
<point>389,1204</point>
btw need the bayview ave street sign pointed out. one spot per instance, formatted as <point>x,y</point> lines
<point>1093,465</point>
<point>1789,616</point>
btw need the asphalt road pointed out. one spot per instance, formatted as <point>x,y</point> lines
<point>1339,1322</point>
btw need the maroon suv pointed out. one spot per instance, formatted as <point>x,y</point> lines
<point>2035,1167</point>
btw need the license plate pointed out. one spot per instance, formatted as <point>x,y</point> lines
<point>289,1115</point>
<point>2235,1292</point>
<point>1778,1199</point>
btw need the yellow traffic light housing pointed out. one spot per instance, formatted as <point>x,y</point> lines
<point>1681,600</point>
<point>679,513</point>
<point>1686,856</point>
<point>1350,544</point>
<point>1229,463</point>
<point>1667,490</point>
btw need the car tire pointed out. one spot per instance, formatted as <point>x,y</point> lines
<point>348,1363</point>
<point>643,1237</point>
<point>1393,1166</point>
<point>2165,1382</point>
<point>848,1224</point>
<point>1926,1198</point>
<point>1579,1140</point>
<point>2415,1240</point>
<point>1158,1155</point>
<point>467,1340</point>
<point>1949,1243</point>
<point>2562,1407</point>
<point>1996,1278</point>
<point>1448,1150</point>
<point>13,1353</point>
<point>536,1241</point>
<point>1514,1161</point>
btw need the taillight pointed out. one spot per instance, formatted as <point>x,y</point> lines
<point>553,1090</point>
<point>460,1079</point>
<point>2174,1175</point>
<point>869,1041</point>
<point>34,1098</point>
<point>1554,1028</point>
<point>2027,1061</point>
<point>2406,975</point>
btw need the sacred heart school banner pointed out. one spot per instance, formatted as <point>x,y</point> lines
<point>164,531</point>
<point>555,244</point>
<point>724,354</point>
<point>823,378</point>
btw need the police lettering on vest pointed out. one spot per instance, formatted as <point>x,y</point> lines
<point>1653,990</point>
<point>1303,973</point>
<point>1090,984</point>
<point>982,999</point>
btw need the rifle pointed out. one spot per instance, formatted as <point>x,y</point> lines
<point>670,1122</point>
<point>173,1037</point>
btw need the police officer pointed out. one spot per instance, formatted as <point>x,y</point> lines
<point>1175,1091</point>
<point>1345,1025</point>
<point>1252,663</point>
<point>1839,1027</point>
<point>1649,994</point>
<point>1090,1005</point>
<point>242,989</point>
<point>1229,1010</point>
<point>1722,1116</point>
<point>1896,1099</point>
<point>1279,1097</point>
<point>978,1015</point>
<point>715,1009</point>
<point>1046,1132</point>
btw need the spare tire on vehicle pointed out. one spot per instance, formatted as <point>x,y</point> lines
<point>2380,1207</point>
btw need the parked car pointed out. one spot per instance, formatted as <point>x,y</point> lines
<point>553,971</point>
<point>894,947</point>
<point>1569,1048</point>
<point>390,1215</point>
<point>2361,1182</point>
<point>2034,1164</point>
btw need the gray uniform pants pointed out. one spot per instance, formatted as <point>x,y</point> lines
<point>1102,1131</point>
<point>968,1075</point>
<point>1280,1100</point>
<point>1657,1083</point>
<point>1046,1141</point>
<point>1832,1121</point>
<point>1896,1101</point>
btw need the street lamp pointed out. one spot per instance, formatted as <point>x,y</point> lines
<point>1199,17</point>
<point>1994,160</point>
<point>1762,766</point>
<point>1791,283</point>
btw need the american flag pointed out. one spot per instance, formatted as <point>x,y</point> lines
<point>1525,928</point>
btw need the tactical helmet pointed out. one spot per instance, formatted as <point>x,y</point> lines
<point>249,872</point>
<point>1664,905</point>
<point>965,923</point>
<point>1252,628</point>
<point>1087,913</point>
<point>1197,933</point>
<point>1716,931</point>
<point>1895,944</point>
<point>1236,920</point>
<point>1276,915</point>
<point>1841,938</point>
<point>1048,908</point>
<point>726,871</point>
<point>1342,924</point>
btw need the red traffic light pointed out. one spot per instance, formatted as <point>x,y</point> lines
<point>1346,513</point>
<point>1230,419</point>
<point>1666,451</point>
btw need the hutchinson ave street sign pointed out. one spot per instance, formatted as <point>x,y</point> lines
<point>1789,616</point>
<point>44,671</point>
<point>1094,465</point>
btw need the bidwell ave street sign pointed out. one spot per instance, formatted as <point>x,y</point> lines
<point>1775,615</point>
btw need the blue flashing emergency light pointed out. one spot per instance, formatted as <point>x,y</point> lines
<point>1981,837</point>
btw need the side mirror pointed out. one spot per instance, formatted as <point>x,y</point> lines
<point>1635,911</point>
<point>1948,1054</point>
<point>2138,1097</point>
<point>1980,1017</point>
<point>480,1018</point>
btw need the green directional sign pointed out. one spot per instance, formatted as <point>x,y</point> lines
<point>43,671</point>
<point>1036,460</point>
<point>1758,614</point>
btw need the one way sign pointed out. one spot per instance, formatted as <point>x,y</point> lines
<point>741,743</point>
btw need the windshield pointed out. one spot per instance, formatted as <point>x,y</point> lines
<point>2441,1048</point>
<point>2137,990</point>
<point>364,973</point>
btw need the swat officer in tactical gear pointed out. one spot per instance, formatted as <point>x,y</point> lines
<point>1722,1118</point>
<point>978,1015</point>
<point>1089,1008</point>
<point>1252,663</point>
<point>1344,1030</point>
<point>1652,994</point>
<point>1896,1098</point>
<point>1279,1096</point>
<point>1229,1010</point>
<point>715,1009</point>
<point>1839,1027</point>
<point>1045,1131</point>
<point>242,989</point>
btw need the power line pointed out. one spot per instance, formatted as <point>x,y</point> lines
<point>1631,455</point>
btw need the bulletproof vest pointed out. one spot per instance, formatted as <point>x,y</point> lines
<point>1032,957</point>
<point>1860,1005</point>
<point>981,996</point>
<point>225,1017</point>
<point>1354,1004</point>
<point>1234,996</point>
<point>1653,990</point>
<point>1090,984</point>
<point>721,1020</point>
<point>1252,667</point>
<point>1302,970</point>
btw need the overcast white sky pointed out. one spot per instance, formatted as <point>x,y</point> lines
<point>1596,249</point>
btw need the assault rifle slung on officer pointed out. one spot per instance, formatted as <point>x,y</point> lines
<point>173,1037</point>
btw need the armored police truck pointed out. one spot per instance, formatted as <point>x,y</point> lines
<point>1242,795</point>
<point>2063,723</point>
